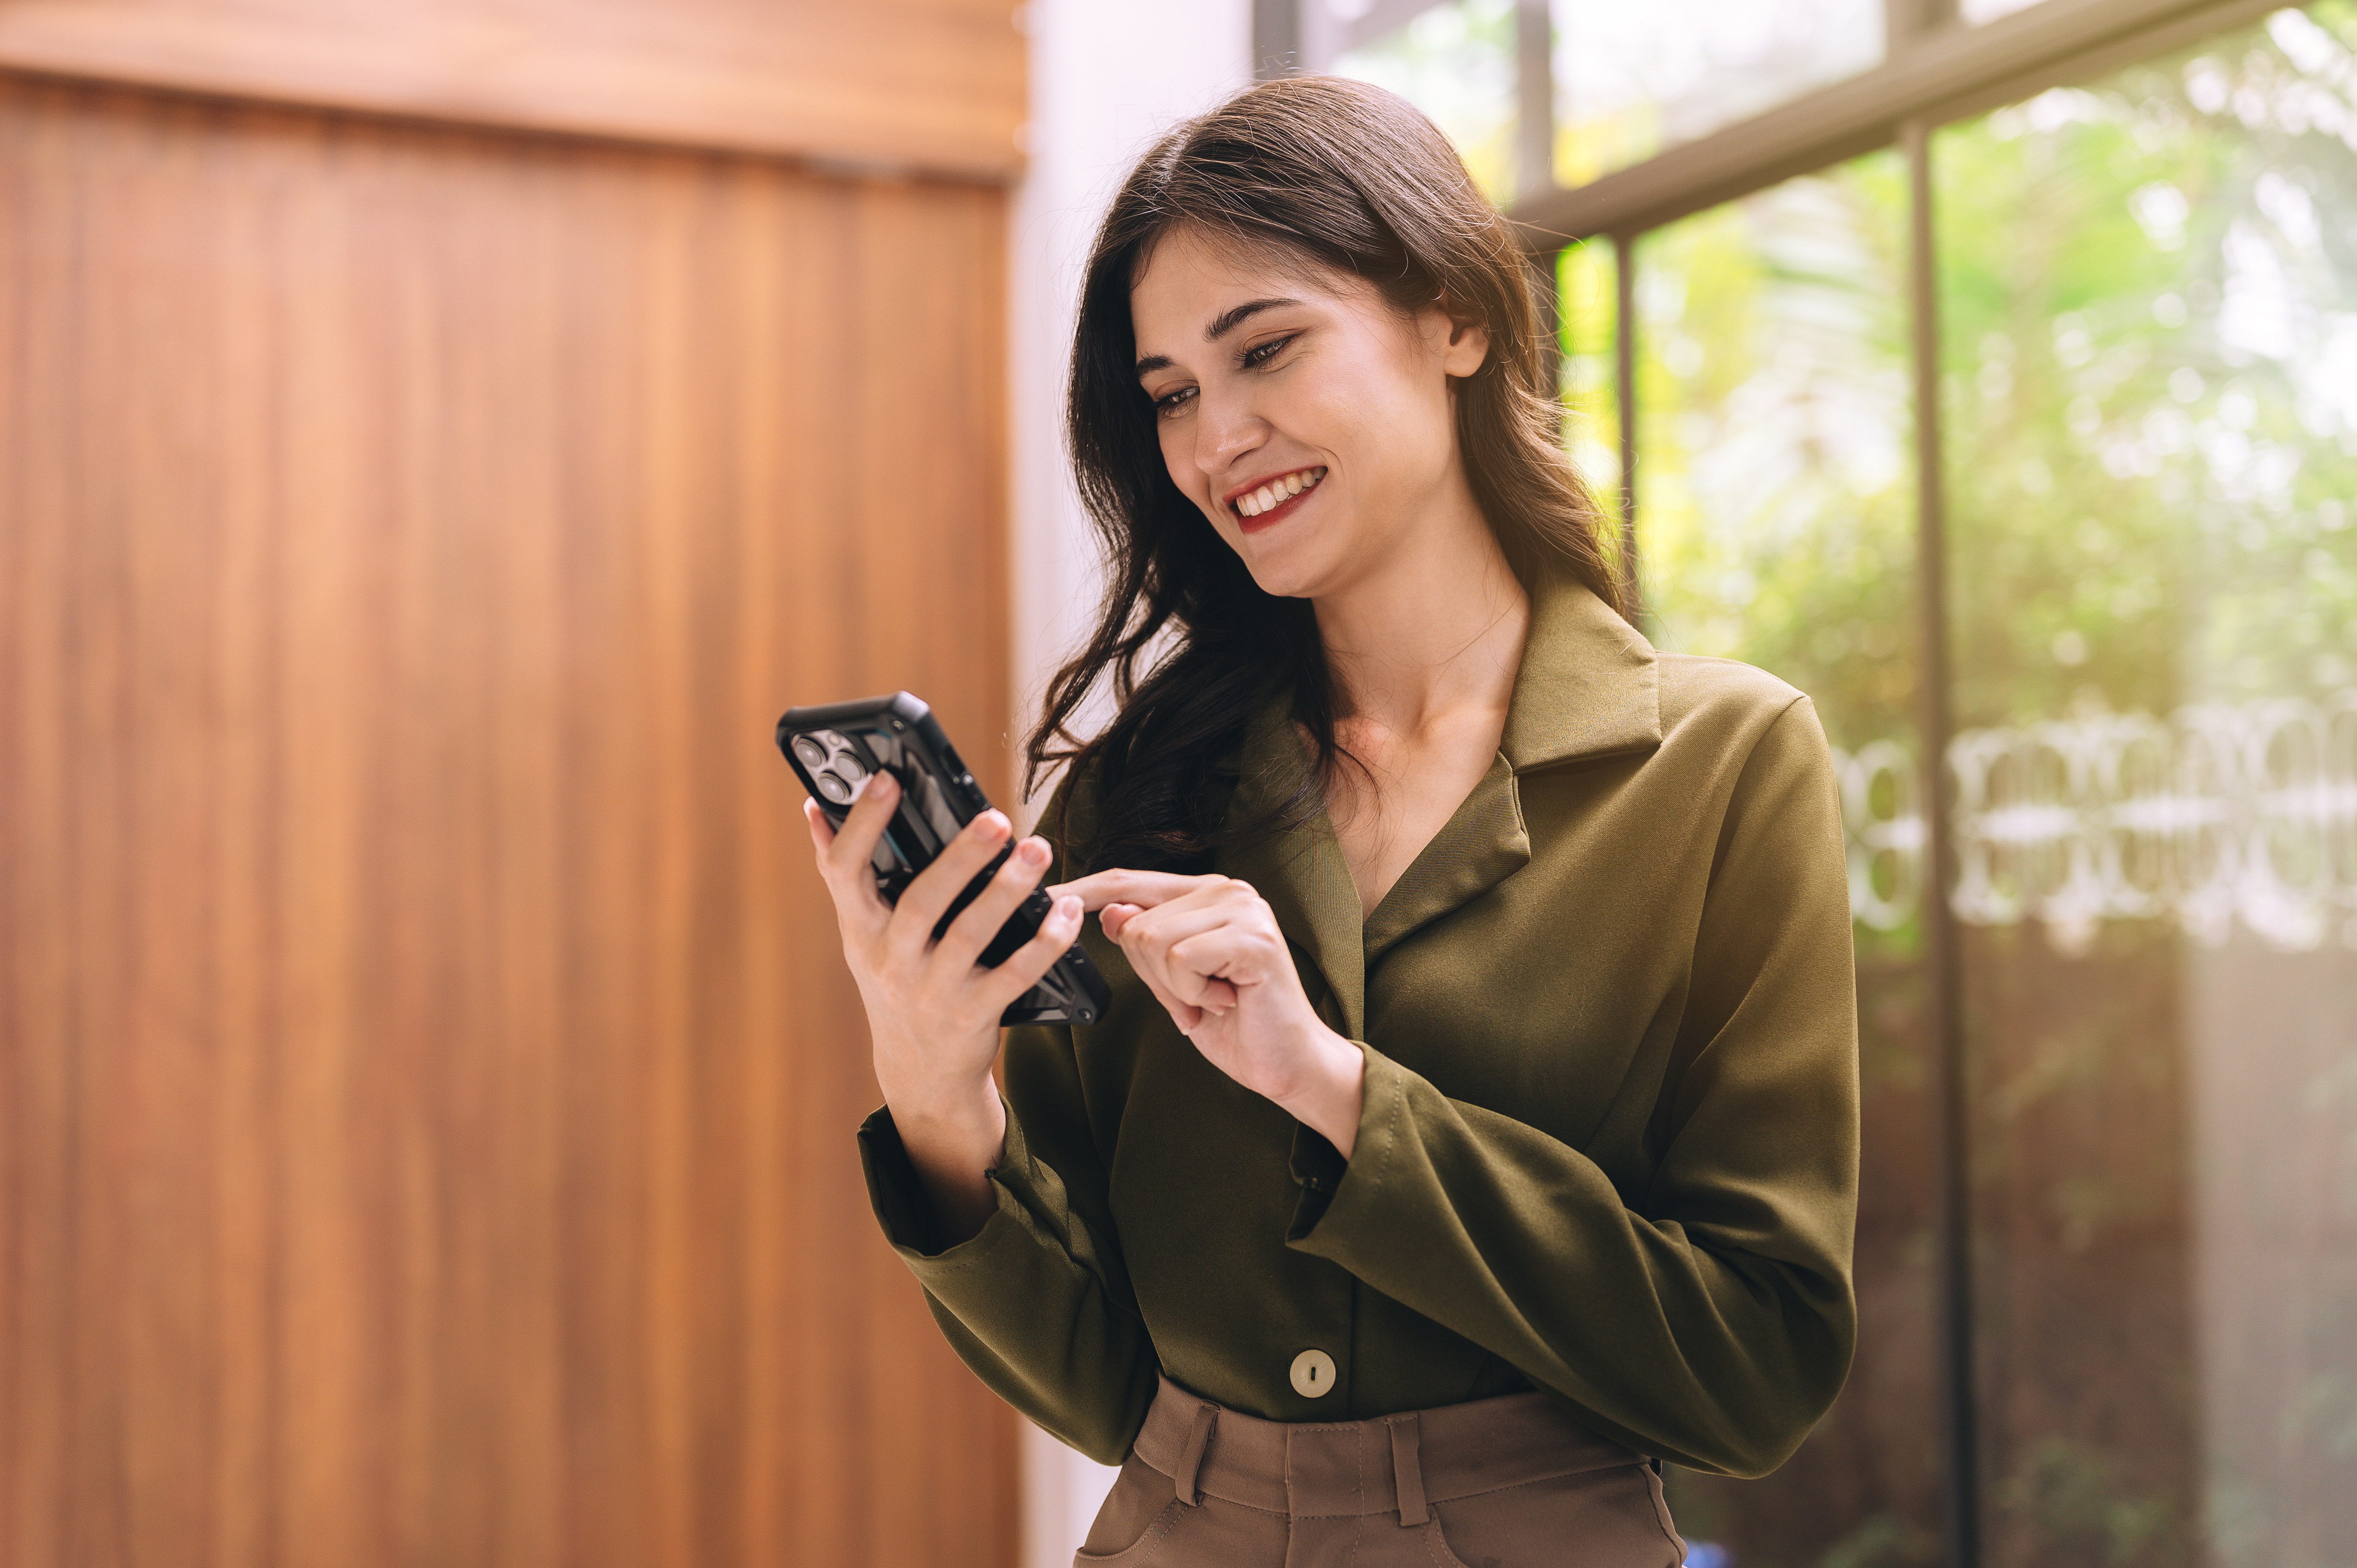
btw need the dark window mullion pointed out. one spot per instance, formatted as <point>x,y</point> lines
<point>1534,97</point>
<point>1943,938</point>
<point>1276,39</point>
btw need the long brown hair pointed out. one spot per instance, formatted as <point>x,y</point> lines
<point>1352,178</point>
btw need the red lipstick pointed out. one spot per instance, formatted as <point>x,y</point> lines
<point>1265,502</point>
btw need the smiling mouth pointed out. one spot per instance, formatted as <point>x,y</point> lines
<point>1276,492</point>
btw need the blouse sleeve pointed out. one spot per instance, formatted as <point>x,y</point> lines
<point>1038,1303</point>
<point>1708,1319</point>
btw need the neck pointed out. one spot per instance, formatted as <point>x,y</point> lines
<point>1435,629</point>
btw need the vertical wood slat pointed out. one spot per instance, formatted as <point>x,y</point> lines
<point>426,1073</point>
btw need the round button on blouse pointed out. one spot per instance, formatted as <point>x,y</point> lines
<point>1313,1374</point>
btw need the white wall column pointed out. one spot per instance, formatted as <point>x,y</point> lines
<point>1107,76</point>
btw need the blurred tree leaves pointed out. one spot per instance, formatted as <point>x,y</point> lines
<point>2148,295</point>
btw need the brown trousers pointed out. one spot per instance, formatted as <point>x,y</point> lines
<point>1496,1483</point>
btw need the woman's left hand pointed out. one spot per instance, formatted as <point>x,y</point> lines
<point>1209,949</point>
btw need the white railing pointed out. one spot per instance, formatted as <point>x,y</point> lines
<point>2218,813</point>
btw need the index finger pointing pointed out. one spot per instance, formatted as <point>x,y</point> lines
<point>1143,888</point>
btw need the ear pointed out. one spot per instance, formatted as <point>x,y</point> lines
<point>1466,346</point>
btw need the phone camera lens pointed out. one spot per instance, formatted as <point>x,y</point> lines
<point>833,786</point>
<point>813,754</point>
<point>851,767</point>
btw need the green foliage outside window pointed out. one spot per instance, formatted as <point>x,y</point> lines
<point>2147,400</point>
<point>2149,381</point>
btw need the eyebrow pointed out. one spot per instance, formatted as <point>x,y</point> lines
<point>1221,325</point>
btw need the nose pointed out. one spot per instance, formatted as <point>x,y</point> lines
<point>1225,430</point>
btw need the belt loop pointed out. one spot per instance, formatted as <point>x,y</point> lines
<point>1407,1470</point>
<point>1190,1458</point>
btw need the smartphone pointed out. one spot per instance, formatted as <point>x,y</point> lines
<point>835,747</point>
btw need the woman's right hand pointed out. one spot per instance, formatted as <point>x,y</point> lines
<point>932,1014</point>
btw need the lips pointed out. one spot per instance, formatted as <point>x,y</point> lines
<point>1259,505</point>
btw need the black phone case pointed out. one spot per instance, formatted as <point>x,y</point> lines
<point>834,746</point>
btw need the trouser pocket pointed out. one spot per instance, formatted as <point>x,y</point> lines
<point>1136,1519</point>
<point>1613,1518</point>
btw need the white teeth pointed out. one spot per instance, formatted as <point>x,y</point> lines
<point>1278,491</point>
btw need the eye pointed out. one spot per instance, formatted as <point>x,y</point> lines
<point>1171,402</point>
<point>1260,354</point>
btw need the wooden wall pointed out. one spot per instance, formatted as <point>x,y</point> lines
<point>428,1075</point>
<point>929,85</point>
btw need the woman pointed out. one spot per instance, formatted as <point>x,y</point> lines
<point>1474,1123</point>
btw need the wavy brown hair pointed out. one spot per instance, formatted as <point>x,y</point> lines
<point>1352,179</point>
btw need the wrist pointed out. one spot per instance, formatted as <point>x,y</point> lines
<point>953,1146</point>
<point>1333,1093</point>
<point>965,1117</point>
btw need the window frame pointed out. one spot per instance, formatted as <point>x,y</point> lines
<point>1937,68</point>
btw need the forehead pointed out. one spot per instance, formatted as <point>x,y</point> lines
<point>1190,279</point>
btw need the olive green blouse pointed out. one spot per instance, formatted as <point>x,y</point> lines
<point>1609,1141</point>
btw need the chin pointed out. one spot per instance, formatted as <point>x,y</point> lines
<point>1285,574</point>
<point>1298,566</point>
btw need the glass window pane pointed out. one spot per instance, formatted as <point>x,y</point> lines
<point>1776,517</point>
<point>1455,62</point>
<point>1587,303</point>
<point>1631,80</point>
<point>2149,310</point>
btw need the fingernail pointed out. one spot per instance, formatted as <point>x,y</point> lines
<point>1068,907</point>
<point>883,783</point>
<point>1031,852</point>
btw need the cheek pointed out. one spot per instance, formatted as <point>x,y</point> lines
<point>1178,456</point>
<point>1356,418</point>
<point>1363,403</point>
<point>1178,461</point>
